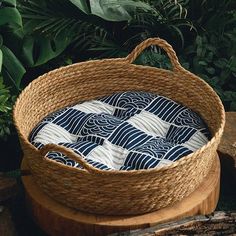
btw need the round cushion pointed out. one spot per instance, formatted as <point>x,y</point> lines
<point>124,131</point>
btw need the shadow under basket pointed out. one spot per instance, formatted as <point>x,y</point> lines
<point>117,192</point>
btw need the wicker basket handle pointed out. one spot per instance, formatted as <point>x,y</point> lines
<point>158,42</point>
<point>69,153</point>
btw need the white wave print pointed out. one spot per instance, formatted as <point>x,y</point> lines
<point>94,107</point>
<point>196,141</point>
<point>52,133</point>
<point>111,155</point>
<point>149,123</point>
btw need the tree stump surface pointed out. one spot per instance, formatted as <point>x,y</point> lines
<point>219,223</point>
<point>227,147</point>
<point>6,224</point>
<point>57,219</point>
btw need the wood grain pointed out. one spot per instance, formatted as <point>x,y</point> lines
<point>56,219</point>
<point>6,224</point>
<point>219,223</point>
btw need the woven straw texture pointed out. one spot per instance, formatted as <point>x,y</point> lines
<point>117,192</point>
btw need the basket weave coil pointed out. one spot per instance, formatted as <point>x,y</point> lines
<point>117,192</point>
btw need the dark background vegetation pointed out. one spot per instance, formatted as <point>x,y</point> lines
<point>38,36</point>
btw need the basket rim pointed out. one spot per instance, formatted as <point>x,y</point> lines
<point>121,172</point>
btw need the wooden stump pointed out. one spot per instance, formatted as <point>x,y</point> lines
<point>220,223</point>
<point>227,147</point>
<point>56,219</point>
<point>6,225</point>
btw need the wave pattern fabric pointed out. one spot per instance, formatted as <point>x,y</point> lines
<point>124,131</point>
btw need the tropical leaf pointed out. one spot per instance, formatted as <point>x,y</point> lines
<point>82,5</point>
<point>12,69</point>
<point>139,20</point>
<point>9,2</point>
<point>1,57</point>
<point>49,49</point>
<point>38,51</point>
<point>27,51</point>
<point>10,15</point>
<point>107,48</point>
<point>49,32</point>
<point>117,10</point>
<point>1,54</point>
<point>59,29</point>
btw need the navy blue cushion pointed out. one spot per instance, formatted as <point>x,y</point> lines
<point>124,131</point>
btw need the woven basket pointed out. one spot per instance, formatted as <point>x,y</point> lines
<point>117,192</point>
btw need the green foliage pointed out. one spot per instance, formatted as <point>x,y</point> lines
<point>212,55</point>
<point>50,27</point>
<point>82,5</point>
<point>45,38</point>
<point>165,19</point>
<point>11,34</point>
<point>5,110</point>
<point>118,10</point>
<point>102,28</point>
<point>10,14</point>
<point>37,36</point>
<point>206,59</point>
<point>13,174</point>
<point>11,68</point>
<point>39,50</point>
<point>200,31</point>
